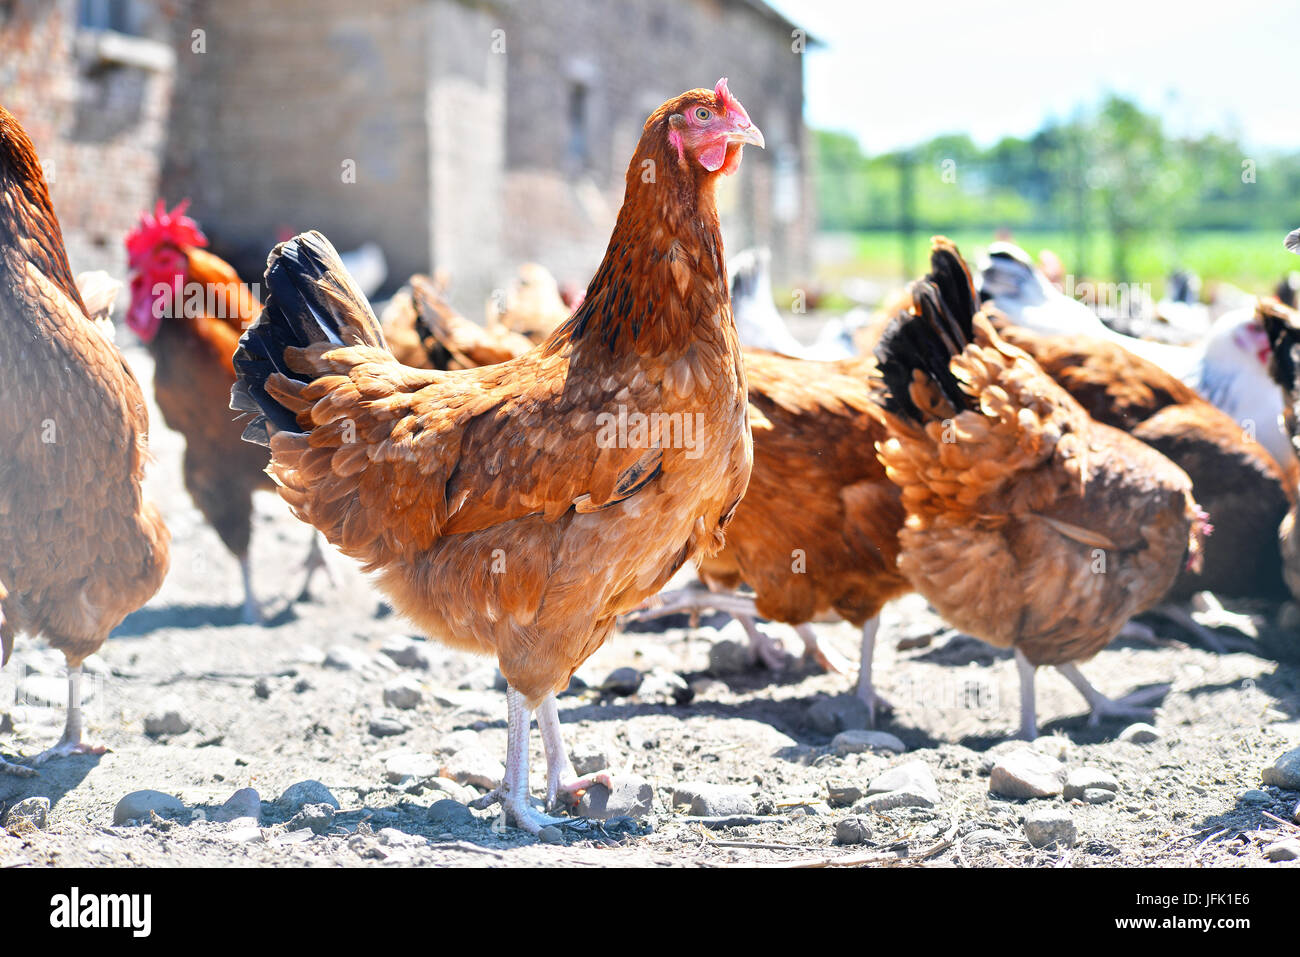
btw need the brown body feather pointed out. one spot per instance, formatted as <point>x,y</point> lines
<point>1234,478</point>
<point>1028,523</point>
<point>80,548</point>
<point>817,531</point>
<point>496,509</point>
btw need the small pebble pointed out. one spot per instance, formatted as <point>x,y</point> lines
<point>713,800</point>
<point>1285,772</point>
<point>346,659</point>
<point>138,804</point>
<point>407,652</point>
<point>317,818</point>
<point>474,766</point>
<point>1140,733</point>
<point>729,657</point>
<point>1255,796</point>
<point>841,713</point>
<point>410,765</point>
<point>589,760</point>
<point>296,796</point>
<point>167,718</point>
<point>913,779</point>
<point>403,693</point>
<point>243,803</point>
<point>843,793</point>
<point>262,688</point>
<point>450,813</point>
<point>1050,825</point>
<point>622,682</point>
<point>386,726</point>
<point>1287,850</point>
<point>1097,795</point>
<point>985,837</point>
<point>857,741</point>
<point>551,835</point>
<point>29,813</point>
<point>1025,773</point>
<point>632,797</point>
<point>1081,779</point>
<point>852,830</point>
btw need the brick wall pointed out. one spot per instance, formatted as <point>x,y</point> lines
<point>97,122</point>
<point>283,95</point>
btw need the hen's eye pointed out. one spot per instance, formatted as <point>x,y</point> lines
<point>702,114</point>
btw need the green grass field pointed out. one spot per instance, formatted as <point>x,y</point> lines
<point>1253,260</point>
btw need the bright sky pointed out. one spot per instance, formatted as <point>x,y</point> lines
<point>898,73</point>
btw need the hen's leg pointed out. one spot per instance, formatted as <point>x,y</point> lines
<point>830,660</point>
<point>766,649</point>
<point>71,742</point>
<point>17,770</point>
<point>316,561</point>
<point>252,610</point>
<point>561,779</point>
<point>866,691</point>
<point>513,793</point>
<point>1028,712</point>
<point>1129,708</point>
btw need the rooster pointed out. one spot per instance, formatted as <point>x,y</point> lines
<point>189,308</point>
<point>1027,524</point>
<point>518,509</point>
<point>80,548</point>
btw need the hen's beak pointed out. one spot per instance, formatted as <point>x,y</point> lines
<point>746,132</point>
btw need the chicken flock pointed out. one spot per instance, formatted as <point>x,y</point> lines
<point>516,489</point>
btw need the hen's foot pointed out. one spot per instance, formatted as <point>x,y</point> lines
<point>516,810</point>
<point>66,749</point>
<point>568,794</point>
<point>316,561</point>
<point>17,770</point>
<point>766,649</point>
<point>1132,707</point>
<point>827,657</point>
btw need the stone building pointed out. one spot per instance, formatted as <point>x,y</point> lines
<point>460,134</point>
<point>91,81</point>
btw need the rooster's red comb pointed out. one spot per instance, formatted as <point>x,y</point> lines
<point>163,226</point>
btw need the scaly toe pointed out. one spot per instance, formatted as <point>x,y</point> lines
<point>67,750</point>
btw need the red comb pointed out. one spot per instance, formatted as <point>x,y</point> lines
<point>162,226</point>
<point>728,102</point>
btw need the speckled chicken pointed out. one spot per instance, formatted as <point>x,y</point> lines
<point>1028,524</point>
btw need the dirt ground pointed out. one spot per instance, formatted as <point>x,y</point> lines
<point>298,699</point>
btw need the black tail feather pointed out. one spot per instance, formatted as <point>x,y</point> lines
<point>937,327</point>
<point>310,298</point>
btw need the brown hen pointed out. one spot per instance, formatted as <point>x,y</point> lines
<point>80,548</point>
<point>1028,524</point>
<point>518,509</point>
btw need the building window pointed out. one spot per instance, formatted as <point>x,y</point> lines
<point>579,146</point>
<point>118,15</point>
